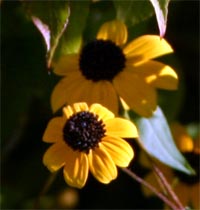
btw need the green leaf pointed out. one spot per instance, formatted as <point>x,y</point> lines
<point>161,10</point>
<point>51,19</point>
<point>133,12</point>
<point>71,40</point>
<point>156,138</point>
<point>193,130</point>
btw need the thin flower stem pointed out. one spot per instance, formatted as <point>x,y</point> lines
<point>45,188</point>
<point>162,181</point>
<point>167,186</point>
<point>146,184</point>
<point>163,188</point>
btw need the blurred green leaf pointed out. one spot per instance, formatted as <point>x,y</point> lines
<point>72,38</point>
<point>156,138</point>
<point>51,19</point>
<point>161,10</point>
<point>193,130</point>
<point>24,75</point>
<point>175,97</point>
<point>133,12</point>
<point>99,13</point>
<point>9,197</point>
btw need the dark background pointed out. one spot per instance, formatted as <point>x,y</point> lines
<point>25,109</point>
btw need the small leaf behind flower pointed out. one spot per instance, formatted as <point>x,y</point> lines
<point>156,138</point>
<point>51,19</point>
<point>133,12</point>
<point>71,40</point>
<point>161,10</point>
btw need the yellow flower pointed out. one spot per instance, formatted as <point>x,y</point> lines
<point>88,138</point>
<point>186,187</point>
<point>106,68</point>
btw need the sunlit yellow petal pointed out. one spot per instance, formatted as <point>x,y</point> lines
<point>119,150</point>
<point>137,94</point>
<point>56,156</point>
<point>115,31</point>
<point>101,165</point>
<point>102,92</point>
<point>183,141</point>
<point>76,169</point>
<point>53,132</point>
<point>124,104</point>
<point>147,47</point>
<point>78,107</point>
<point>64,89</point>
<point>157,74</point>
<point>67,64</point>
<point>120,127</point>
<point>101,111</point>
<point>68,111</point>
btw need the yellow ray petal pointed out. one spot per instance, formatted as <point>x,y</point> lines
<point>137,94</point>
<point>120,127</point>
<point>55,156</point>
<point>147,47</point>
<point>119,150</point>
<point>102,112</point>
<point>80,92</point>
<point>78,107</point>
<point>115,31</point>
<point>76,169</point>
<point>102,166</point>
<point>65,87</point>
<point>68,111</point>
<point>124,104</point>
<point>157,74</point>
<point>67,64</point>
<point>102,92</point>
<point>53,132</point>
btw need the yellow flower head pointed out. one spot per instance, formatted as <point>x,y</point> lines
<point>106,68</point>
<point>88,138</point>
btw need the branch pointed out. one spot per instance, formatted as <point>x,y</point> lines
<point>154,190</point>
<point>167,186</point>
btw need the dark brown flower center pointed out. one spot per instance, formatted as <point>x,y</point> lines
<point>193,159</point>
<point>101,60</point>
<point>83,131</point>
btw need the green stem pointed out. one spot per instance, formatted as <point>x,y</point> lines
<point>154,190</point>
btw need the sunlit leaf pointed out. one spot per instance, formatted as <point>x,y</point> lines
<point>51,19</point>
<point>156,138</point>
<point>161,10</point>
<point>132,12</point>
<point>71,40</point>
